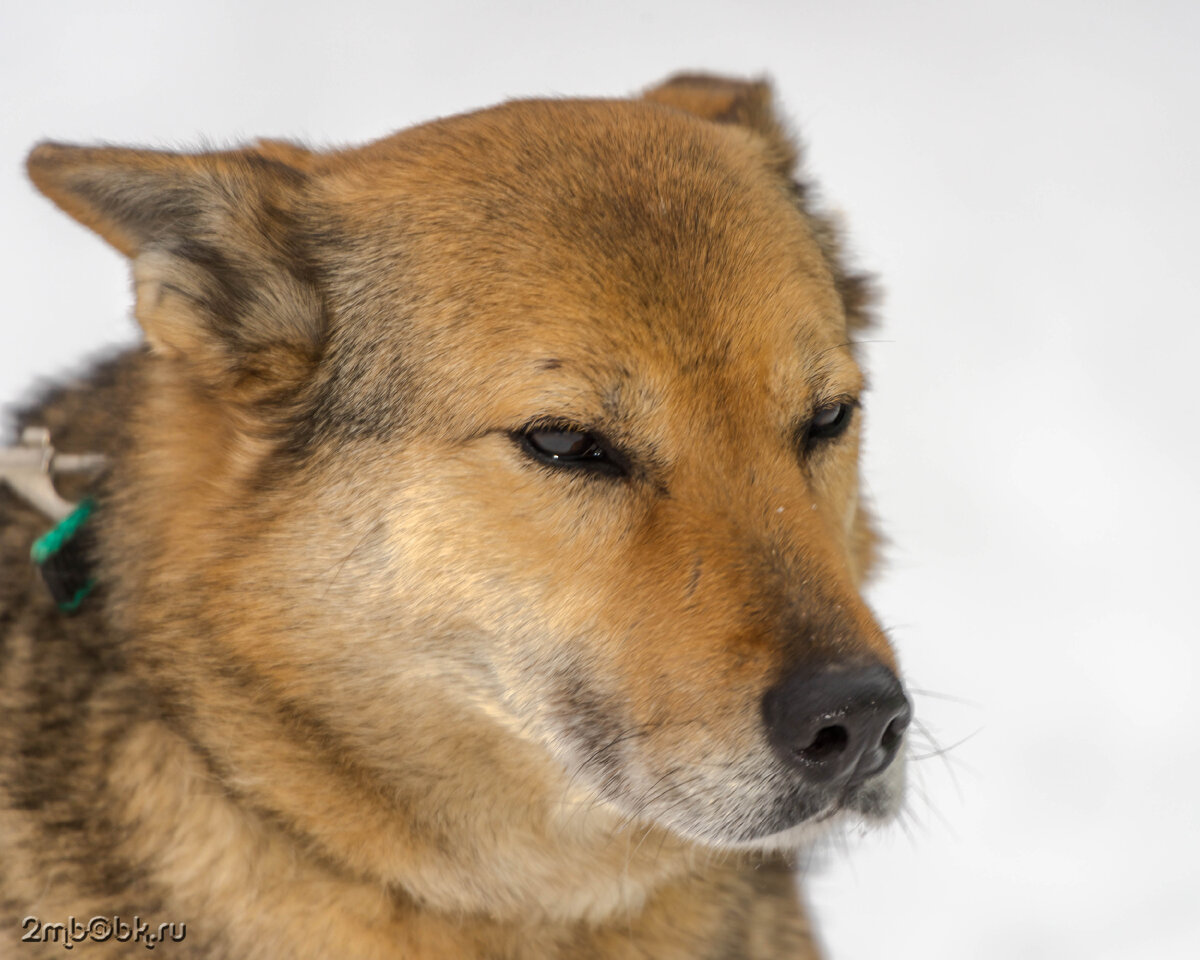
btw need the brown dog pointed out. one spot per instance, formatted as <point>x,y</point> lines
<point>479,558</point>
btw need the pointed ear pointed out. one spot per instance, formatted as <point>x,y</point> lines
<point>742,103</point>
<point>215,242</point>
<point>750,104</point>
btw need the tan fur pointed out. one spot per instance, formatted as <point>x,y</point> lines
<point>384,687</point>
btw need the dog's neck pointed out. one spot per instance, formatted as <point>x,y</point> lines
<point>279,897</point>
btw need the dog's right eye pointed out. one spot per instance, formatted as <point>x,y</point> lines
<point>565,447</point>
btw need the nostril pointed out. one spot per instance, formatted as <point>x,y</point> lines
<point>828,743</point>
<point>894,733</point>
<point>878,757</point>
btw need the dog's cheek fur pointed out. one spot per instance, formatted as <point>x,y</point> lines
<point>349,665</point>
<point>580,621</point>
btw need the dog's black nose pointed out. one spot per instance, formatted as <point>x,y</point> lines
<point>837,722</point>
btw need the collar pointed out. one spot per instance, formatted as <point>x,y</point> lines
<point>64,554</point>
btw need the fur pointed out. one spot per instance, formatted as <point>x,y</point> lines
<point>364,677</point>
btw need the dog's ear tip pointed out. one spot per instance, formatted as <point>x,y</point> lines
<point>79,180</point>
<point>44,158</point>
<point>52,166</point>
<point>716,83</point>
<point>714,96</point>
<point>47,151</point>
<point>732,101</point>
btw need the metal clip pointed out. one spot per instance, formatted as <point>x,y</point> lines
<point>30,467</point>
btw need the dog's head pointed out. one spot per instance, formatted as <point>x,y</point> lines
<point>531,430</point>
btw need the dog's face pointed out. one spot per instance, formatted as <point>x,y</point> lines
<point>566,432</point>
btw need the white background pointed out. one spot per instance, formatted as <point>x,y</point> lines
<point>1024,177</point>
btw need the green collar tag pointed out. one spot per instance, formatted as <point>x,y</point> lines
<point>65,556</point>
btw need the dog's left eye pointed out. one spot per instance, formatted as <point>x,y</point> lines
<point>560,446</point>
<point>564,444</point>
<point>830,421</point>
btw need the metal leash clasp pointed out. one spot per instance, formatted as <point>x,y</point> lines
<point>30,467</point>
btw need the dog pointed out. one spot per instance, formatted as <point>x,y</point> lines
<point>477,553</point>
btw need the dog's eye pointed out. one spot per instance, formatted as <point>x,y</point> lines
<point>830,421</point>
<point>563,447</point>
<point>564,444</point>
